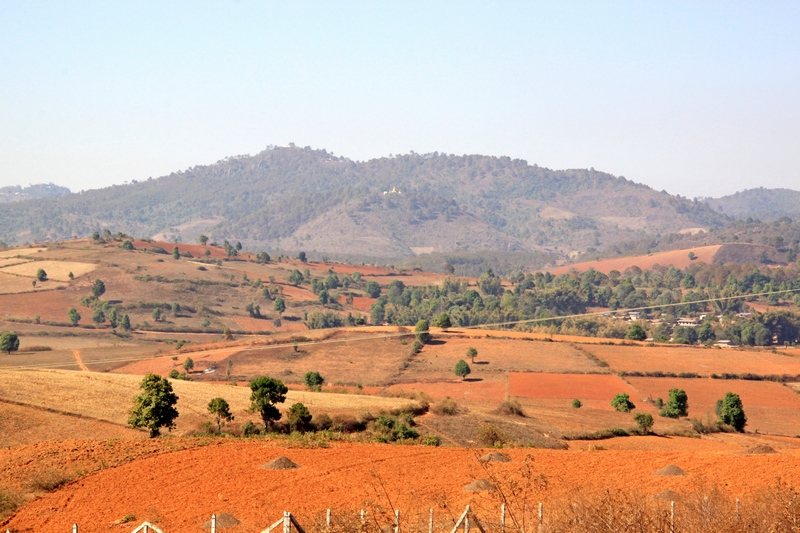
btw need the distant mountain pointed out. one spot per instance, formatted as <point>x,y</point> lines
<point>294,199</point>
<point>763,204</point>
<point>41,190</point>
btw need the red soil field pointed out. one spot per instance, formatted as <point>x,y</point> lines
<point>595,391</point>
<point>770,407</point>
<point>199,252</point>
<point>298,293</point>
<point>179,491</point>
<point>676,258</point>
<point>50,306</point>
<point>163,365</point>
<point>363,303</point>
<point>701,360</point>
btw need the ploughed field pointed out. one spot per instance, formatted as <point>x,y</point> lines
<point>179,490</point>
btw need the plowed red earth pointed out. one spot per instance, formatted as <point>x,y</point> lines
<point>676,258</point>
<point>594,390</point>
<point>179,491</point>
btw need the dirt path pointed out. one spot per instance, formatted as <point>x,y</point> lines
<point>77,355</point>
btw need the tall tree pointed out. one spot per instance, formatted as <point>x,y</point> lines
<point>266,394</point>
<point>154,408</point>
<point>221,410</point>
<point>9,342</point>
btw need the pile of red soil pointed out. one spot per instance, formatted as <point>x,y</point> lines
<point>670,470</point>
<point>761,448</point>
<point>479,485</point>
<point>495,457</point>
<point>667,496</point>
<point>281,463</point>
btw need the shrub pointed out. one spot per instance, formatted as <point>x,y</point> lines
<point>41,275</point>
<point>731,411</point>
<point>576,403</point>
<point>446,407</point>
<point>431,440</point>
<point>249,429</point>
<point>313,380</point>
<point>677,404</point>
<point>323,422</point>
<point>421,330</point>
<point>644,421</point>
<point>492,436</point>
<point>622,403</point>
<point>462,369</point>
<point>511,408</point>
<point>298,417</point>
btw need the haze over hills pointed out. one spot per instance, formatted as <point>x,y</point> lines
<point>293,199</point>
<point>762,204</point>
<point>17,193</point>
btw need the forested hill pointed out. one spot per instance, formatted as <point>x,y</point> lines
<point>292,199</point>
<point>763,204</point>
<point>40,190</point>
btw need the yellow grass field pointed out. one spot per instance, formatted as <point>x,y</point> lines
<point>109,397</point>
<point>13,261</point>
<point>20,251</point>
<point>56,270</point>
<point>10,284</point>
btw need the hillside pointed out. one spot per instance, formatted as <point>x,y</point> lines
<point>295,199</point>
<point>41,190</point>
<point>763,204</point>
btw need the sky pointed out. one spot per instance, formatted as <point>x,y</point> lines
<point>695,98</point>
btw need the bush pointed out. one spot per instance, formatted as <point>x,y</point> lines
<point>431,440</point>
<point>511,408</point>
<point>622,403</point>
<point>576,403</point>
<point>677,404</point>
<point>313,380</point>
<point>462,369</point>
<point>492,436</point>
<point>644,421</point>
<point>446,407</point>
<point>249,429</point>
<point>731,411</point>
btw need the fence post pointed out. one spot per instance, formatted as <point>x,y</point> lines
<point>363,517</point>
<point>75,527</point>
<point>328,518</point>
<point>541,516</point>
<point>503,518</point>
<point>397,521</point>
<point>672,517</point>
<point>213,523</point>
<point>430,522</point>
<point>287,522</point>
<point>737,509</point>
<point>466,520</point>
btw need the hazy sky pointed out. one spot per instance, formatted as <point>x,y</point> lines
<point>698,98</point>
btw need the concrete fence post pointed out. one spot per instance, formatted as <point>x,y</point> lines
<point>287,522</point>
<point>541,516</point>
<point>328,518</point>
<point>430,522</point>
<point>74,528</point>
<point>671,517</point>
<point>503,518</point>
<point>213,523</point>
<point>397,521</point>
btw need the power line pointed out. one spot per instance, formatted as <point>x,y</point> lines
<point>409,333</point>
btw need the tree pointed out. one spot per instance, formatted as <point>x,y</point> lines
<point>226,334</point>
<point>176,254</point>
<point>684,335</point>
<point>298,417</point>
<point>622,403</point>
<point>220,408</point>
<point>113,319</point>
<point>636,332</point>
<point>126,323</point>
<point>266,393</point>
<point>644,421</point>
<point>156,314</point>
<point>472,353</point>
<point>421,330</point>
<point>449,269</point>
<point>462,369</point>
<point>324,297</point>
<point>202,239</point>
<point>295,277</point>
<point>188,365</point>
<point>443,321</point>
<point>677,404</point>
<point>302,257</point>
<point>41,275</point>
<point>74,316</point>
<point>692,256</point>
<point>127,245</point>
<point>372,289</point>
<point>731,412</point>
<point>279,306</point>
<point>313,380</point>
<point>98,316</point>
<point>706,333</point>
<point>154,408</point>
<point>490,284</point>
<point>576,403</point>
<point>9,342</point>
<point>98,288</point>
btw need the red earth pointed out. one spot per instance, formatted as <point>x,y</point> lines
<point>593,390</point>
<point>179,491</point>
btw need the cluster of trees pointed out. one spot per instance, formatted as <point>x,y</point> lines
<point>102,311</point>
<point>729,409</point>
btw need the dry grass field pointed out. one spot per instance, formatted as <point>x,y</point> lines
<point>11,284</point>
<point>108,397</point>
<point>56,270</point>
<point>14,252</point>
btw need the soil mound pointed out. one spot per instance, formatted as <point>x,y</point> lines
<point>761,448</point>
<point>670,470</point>
<point>495,457</point>
<point>667,496</point>
<point>280,463</point>
<point>224,520</point>
<point>479,485</point>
